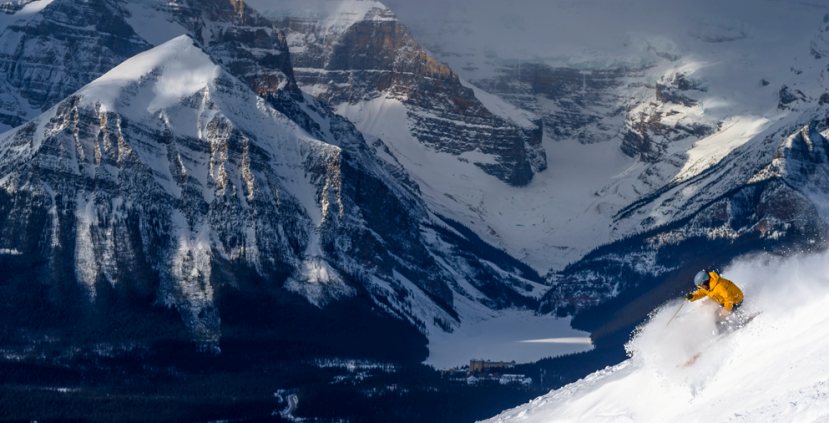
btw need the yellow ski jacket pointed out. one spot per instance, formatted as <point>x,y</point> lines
<point>721,290</point>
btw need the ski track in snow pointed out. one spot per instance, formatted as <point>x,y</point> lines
<point>773,370</point>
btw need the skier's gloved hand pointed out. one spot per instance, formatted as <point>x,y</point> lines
<point>689,296</point>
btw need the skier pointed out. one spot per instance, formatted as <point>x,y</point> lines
<point>727,295</point>
<point>719,289</point>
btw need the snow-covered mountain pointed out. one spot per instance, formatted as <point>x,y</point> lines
<point>198,166</point>
<point>660,139</point>
<point>356,55</point>
<point>343,177</point>
<point>673,88</point>
<point>585,169</point>
<point>50,49</point>
<point>766,195</point>
<point>771,370</point>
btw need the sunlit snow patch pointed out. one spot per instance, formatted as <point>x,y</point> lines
<point>176,69</point>
<point>773,369</point>
<point>317,281</point>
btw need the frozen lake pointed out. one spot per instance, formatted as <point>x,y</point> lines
<point>521,336</point>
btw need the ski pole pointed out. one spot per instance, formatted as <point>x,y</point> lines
<point>675,314</point>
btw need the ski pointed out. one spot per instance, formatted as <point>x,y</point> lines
<point>740,324</point>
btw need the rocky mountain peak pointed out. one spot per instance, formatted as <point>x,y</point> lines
<point>237,36</point>
<point>362,46</point>
<point>52,50</point>
<point>168,176</point>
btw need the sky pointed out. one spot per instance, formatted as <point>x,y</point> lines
<point>559,29</point>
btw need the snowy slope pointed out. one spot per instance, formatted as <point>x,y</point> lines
<point>548,223</point>
<point>49,49</point>
<point>351,53</point>
<point>767,195</point>
<point>773,370</point>
<point>180,67</point>
<point>738,58</point>
<point>20,8</point>
<point>167,135</point>
<point>174,166</point>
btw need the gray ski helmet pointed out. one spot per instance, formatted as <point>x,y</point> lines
<point>701,278</point>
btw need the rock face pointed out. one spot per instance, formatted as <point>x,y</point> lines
<point>600,105</point>
<point>216,163</point>
<point>245,43</point>
<point>651,127</point>
<point>373,56</point>
<point>170,177</point>
<point>134,184</point>
<point>45,57</point>
<point>585,103</point>
<point>762,197</point>
<point>790,98</point>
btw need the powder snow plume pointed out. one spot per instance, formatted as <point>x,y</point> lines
<point>774,369</point>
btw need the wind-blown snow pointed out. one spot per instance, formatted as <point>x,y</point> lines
<point>183,70</point>
<point>773,370</point>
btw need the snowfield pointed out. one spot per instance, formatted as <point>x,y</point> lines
<point>740,54</point>
<point>560,217</point>
<point>775,369</point>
